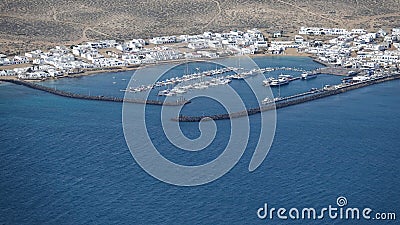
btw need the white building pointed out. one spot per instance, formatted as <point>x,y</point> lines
<point>358,31</point>
<point>163,40</point>
<point>322,31</point>
<point>261,44</point>
<point>396,31</point>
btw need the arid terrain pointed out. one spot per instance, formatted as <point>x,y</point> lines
<point>26,25</point>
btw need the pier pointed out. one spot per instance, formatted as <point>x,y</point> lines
<point>289,101</point>
<point>92,97</point>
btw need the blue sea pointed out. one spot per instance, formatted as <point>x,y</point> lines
<point>65,161</point>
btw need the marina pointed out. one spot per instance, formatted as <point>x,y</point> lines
<point>175,85</point>
<point>178,85</point>
<point>181,79</point>
<point>197,80</point>
<point>293,100</point>
<point>198,85</point>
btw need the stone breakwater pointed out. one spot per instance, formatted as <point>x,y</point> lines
<point>283,104</point>
<point>92,97</point>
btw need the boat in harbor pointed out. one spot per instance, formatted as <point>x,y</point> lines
<point>278,82</point>
<point>238,76</point>
<point>285,76</point>
<point>306,76</point>
<point>200,85</point>
<point>163,92</point>
<point>281,80</point>
<point>179,90</point>
<point>267,81</point>
<point>267,100</point>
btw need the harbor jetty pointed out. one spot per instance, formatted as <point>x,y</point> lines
<point>93,97</point>
<point>289,101</point>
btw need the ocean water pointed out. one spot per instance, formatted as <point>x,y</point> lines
<point>65,161</point>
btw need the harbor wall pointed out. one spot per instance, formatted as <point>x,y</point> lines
<point>91,97</point>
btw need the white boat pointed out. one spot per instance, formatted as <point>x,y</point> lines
<point>180,91</point>
<point>267,101</point>
<point>238,76</point>
<point>214,83</point>
<point>285,76</point>
<point>225,81</point>
<point>201,86</point>
<point>279,82</point>
<point>306,76</point>
<point>268,81</point>
<point>164,92</point>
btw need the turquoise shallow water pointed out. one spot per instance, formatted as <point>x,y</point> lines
<point>65,161</point>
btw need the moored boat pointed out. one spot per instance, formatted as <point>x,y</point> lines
<point>279,82</point>
<point>267,81</point>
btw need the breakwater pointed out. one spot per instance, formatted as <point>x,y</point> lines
<point>338,71</point>
<point>289,102</point>
<point>92,97</point>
